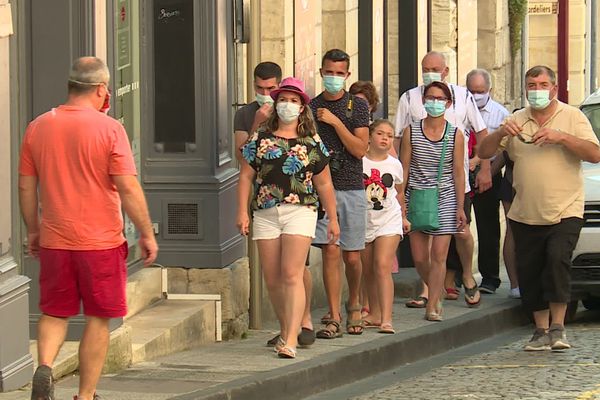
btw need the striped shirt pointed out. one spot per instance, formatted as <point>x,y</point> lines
<point>463,114</point>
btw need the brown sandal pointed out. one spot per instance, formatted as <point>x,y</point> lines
<point>355,324</point>
<point>328,333</point>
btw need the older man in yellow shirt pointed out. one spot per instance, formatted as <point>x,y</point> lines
<point>547,141</point>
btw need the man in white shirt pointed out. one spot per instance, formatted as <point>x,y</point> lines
<point>463,114</point>
<point>487,204</point>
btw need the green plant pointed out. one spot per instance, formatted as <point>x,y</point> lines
<point>517,10</point>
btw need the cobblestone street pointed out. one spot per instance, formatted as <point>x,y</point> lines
<point>497,369</point>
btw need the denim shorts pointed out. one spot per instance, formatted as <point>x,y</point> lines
<point>288,219</point>
<point>352,217</point>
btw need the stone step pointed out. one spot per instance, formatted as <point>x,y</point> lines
<point>165,327</point>
<point>143,289</point>
<point>170,326</point>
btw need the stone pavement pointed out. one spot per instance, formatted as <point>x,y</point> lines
<point>508,372</point>
<point>248,369</point>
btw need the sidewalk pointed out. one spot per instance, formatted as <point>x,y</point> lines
<point>247,369</point>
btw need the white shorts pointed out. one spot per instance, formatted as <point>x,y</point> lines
<point>391,226</point>
<point>288,219</point>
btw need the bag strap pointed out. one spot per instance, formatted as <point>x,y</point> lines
<point>350,106</point>
<point>441,165</point>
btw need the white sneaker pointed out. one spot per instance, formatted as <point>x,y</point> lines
<point>515,293</point>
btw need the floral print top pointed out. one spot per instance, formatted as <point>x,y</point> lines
<point>285,168</point>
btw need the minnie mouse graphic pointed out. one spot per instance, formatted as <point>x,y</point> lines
<point>376,187</point>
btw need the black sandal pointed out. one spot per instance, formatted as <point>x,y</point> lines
<point>470,294</point>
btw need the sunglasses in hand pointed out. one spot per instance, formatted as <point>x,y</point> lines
<point>523,137</point>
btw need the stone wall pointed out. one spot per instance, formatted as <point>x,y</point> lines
<point>231,282</point>
<point>277,33</point>
<point>495,55</point>
<point>543,46</point>
<point>444,33</point>
<point>340,30</point>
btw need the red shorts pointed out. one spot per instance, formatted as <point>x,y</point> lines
<point>96,278</point>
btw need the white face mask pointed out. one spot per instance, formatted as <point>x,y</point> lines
<point>481,99</point>
<point>287,111</point>
<point>262,99</point>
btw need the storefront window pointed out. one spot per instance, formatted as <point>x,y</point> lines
<point>126,83</point>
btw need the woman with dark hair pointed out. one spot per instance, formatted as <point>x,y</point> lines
<point>367,91</point>
<point>286,160</point>
<point>432,155</point>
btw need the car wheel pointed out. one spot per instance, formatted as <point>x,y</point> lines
<point>591,303</point>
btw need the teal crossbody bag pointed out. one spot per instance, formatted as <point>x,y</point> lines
<point>423,209</point>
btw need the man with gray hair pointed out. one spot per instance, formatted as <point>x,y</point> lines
<point>79,161</point>
<point>486,204</point>
<point>547,141</point>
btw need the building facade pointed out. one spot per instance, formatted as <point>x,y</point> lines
<point>179,70</point>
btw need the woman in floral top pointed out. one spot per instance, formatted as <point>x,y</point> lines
<point>286,161</point>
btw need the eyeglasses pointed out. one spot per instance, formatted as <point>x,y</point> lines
<point>522,136</point>
<point>436,98</point>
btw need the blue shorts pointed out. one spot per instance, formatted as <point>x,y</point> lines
<point>352,217</point>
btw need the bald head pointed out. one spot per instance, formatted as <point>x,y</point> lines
<point>434,57</point>
<point>435,62</point>
<point>86,73</point>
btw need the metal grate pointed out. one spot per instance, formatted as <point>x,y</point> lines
<point>182,219</point>
<point>585,274</point>
<point>591,215</point>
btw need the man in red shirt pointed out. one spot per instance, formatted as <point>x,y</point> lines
<point>81,162</point>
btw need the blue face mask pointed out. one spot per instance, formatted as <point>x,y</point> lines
<point>333,84</point>
<point>429,77</point>
<point>435,108</point>
<point>538,99</point>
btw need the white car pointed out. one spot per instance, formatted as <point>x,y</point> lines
<point>585,273</point>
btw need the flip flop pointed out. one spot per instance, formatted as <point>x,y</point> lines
<point>417,302</point>
<point>386,328</point>
<point>433,317</point>
<point>370,324</point>
<point>470,294</point>
<point>306,337</point>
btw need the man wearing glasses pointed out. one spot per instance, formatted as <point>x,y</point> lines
<point>546,216</point>
<point>79,161</point>
<point>463,114</point>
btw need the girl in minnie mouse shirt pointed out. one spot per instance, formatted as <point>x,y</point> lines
<point>386,223</point>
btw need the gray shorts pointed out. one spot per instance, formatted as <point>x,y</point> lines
<point>352,217</point>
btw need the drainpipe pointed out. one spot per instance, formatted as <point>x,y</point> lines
<point>563,50</point>
<point>524,58</point>
<point>255,306</point>
<point>593,47</point>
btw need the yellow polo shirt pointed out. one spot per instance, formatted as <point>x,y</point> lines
<point>547,179</point>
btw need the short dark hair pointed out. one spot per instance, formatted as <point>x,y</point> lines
<point>369,90</point>
<point>267,70</point>
<point>336,55</point>
<point>536,71</point>
<point>440,85</point>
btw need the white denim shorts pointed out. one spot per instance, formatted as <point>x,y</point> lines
<point>288,219</point>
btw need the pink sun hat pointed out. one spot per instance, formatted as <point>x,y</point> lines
<point>293,85</point>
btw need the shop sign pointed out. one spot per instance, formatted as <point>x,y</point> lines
<point>545,8</point>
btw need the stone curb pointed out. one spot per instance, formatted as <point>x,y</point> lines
<point>358,362</point>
